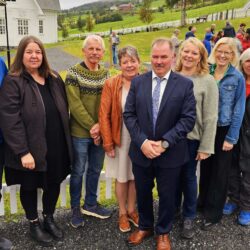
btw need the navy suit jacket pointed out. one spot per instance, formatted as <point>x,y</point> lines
<point>176,117</point>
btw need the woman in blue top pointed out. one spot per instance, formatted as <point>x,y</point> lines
<point>239,180</point>
<point>215,170</point>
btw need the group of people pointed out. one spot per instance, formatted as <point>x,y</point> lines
<point>242,36</point>
<point>142,127</point>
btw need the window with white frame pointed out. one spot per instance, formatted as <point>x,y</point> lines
<point>40,27</point>
<point>23,27</point>
<point>2,26</point>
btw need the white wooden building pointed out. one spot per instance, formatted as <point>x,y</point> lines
<point>29,17</point>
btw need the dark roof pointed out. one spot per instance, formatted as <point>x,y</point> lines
<point>49,4</point>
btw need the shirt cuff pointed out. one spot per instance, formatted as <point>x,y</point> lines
<point>144,142</point>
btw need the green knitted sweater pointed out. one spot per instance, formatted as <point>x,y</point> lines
<point>84,88</point>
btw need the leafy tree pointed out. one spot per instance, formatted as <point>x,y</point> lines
<point>60,20</point>
<point>90,23</point>
<point>145,12</point>
<point>65,32</point>
<point>161,9</point>
<point>72,23</point>
<point>81,23</point>
<point>184,3</point>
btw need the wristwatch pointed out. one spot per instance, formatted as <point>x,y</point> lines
<point>164,144</point>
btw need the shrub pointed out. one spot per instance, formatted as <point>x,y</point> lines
<point>109,18</point>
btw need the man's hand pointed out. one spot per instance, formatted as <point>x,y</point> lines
<point>148,149</point>
<point>159,148</point>
<point>111,153</point>
<point>97,140</point>
<point>201,156</point>
<point>28,161</point>
<point>95,131</point>
<point>227,146</point>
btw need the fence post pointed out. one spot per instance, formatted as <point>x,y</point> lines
<point>13,201</point>
<point>2,203</point>
<point>39,199</point>
<point>221,16</point>
<point>108,188</point>
<point>63,193</point>
<point>226,15</point>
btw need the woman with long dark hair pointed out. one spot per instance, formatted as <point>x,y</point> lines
<point>35,122</point>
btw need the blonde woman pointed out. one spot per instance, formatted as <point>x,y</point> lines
<point>215,170</point>
<point>239,188</point>
<point>192,63</point>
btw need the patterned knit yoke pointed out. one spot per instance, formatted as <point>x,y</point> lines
<point>84,88</point>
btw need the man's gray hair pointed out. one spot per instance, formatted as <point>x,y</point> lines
<point>93,37</point>
<point>161,41</point>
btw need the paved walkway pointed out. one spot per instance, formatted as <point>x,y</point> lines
<point>104,235</point>
<point>60,60</point>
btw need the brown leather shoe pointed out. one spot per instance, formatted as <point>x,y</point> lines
<point>138,236</point>
<point>134,218</point>
<point>124,225</point>
<point>163,242</point>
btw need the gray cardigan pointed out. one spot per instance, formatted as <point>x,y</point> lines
<point>207,97</point>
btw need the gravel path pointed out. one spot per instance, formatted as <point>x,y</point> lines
<point>60,60</point>
<point>104,235</point>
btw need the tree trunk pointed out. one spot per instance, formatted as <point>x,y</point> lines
<point>183,13</point>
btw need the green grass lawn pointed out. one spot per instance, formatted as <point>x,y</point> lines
<point>142,41</point>
<point>134,21</point>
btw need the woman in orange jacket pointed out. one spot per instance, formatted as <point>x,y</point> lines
<point>116,139</point>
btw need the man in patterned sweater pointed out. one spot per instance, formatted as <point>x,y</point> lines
<point>84,83</point>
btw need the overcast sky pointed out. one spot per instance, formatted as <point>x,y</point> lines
<point>67,4</point>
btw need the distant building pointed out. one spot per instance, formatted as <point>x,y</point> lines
<point>30,17</point>
<point>113,8</point>
<point>126,7</point>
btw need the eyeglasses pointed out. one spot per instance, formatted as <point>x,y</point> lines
<point>225,53</point>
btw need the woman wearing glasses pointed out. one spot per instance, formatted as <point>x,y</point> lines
<point>239,188</point>
<point>215,170</point>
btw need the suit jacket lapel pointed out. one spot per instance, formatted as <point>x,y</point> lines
<point>147,86</point>
<point>168,90</point>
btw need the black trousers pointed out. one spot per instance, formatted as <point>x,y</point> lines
<point>167,181</point>
<point>214,175</point>
<point>239,182</point>
<point>29,200</point>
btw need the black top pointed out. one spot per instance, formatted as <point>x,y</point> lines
<point>57,156</point>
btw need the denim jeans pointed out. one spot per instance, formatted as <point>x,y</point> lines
<point>188,183</point>
<point>84,149</point>
<point>114,54</point>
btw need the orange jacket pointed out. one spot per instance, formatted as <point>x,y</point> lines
<point>110,113</point>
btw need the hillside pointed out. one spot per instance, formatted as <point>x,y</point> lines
<point>102,4</point>
<point>132,20</point>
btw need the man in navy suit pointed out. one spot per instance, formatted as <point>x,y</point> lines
<point>159,112</point>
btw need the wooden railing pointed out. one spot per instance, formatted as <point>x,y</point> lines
<point>12,190</point>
